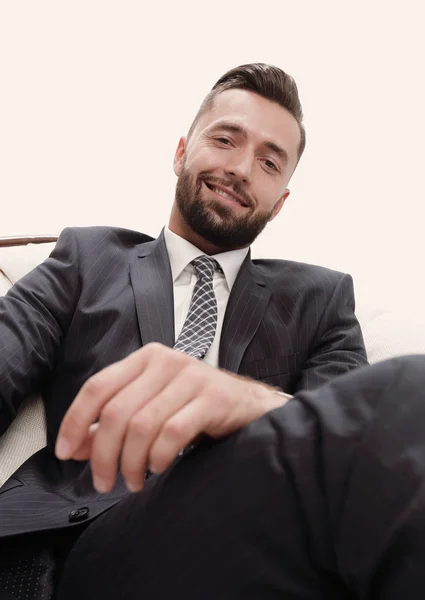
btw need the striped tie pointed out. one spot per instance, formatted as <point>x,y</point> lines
<point>198,330</point>
<point>200,325</point>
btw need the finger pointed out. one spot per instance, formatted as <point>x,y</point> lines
<point>94,394</point>
<point>148,422</point>
<point>84,451</point>
<point>178,432</point>
<point>118,412</point>
<point>211,413</point>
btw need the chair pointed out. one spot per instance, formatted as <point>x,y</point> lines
<point>387,333</point>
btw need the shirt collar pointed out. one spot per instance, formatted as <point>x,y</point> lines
<point>181,253</point>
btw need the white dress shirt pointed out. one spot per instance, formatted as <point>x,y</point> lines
<point>181,253</point>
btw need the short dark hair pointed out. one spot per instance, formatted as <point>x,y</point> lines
<point>265,80</point>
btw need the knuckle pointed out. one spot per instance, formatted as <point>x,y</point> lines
<point>194,364</point>
<point>178,360</point>
<point>96,385</point>
<point>111,413</point>
<point>182,357</point>
<point>140,426</point>
<point>194,372</point>
<point>174,430</point>
<point>217,392</point>
<point>153,348</point>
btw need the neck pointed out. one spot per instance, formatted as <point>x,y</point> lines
<point>198,241</point>
<point>180,228</point>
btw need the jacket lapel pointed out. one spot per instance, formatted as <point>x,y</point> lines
<point>152,283</point>
<point>245,309</point>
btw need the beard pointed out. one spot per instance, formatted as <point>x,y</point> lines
<point>214,221</point>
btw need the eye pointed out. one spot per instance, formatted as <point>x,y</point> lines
<point>270,165</point>
<point>224,141</point>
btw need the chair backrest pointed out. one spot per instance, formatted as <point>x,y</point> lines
<point>27,433</point>
<point>23,240</point>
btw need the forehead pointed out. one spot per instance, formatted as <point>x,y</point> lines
<point>264,120</point>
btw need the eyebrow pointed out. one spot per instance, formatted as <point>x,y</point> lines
<point>236,128</point>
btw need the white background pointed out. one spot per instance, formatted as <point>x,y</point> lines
<point>95,94</point>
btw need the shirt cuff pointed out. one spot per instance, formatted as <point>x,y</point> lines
<point>284,395</point>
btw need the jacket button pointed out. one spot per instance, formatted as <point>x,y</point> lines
<point>79,514</point>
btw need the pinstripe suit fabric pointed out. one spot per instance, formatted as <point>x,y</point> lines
<point>321,499</point>
<point>103,293</point>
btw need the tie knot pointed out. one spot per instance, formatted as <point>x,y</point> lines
<point>205,266</point>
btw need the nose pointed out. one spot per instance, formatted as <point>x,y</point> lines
<point>240,167</point>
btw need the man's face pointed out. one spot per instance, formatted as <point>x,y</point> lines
<point>233,171</point>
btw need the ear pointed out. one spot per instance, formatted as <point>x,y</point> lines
<point>277,207</point>
<point>179,156</point>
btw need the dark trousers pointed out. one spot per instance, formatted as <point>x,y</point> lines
<point>322,498</point>
<point>31,564</point>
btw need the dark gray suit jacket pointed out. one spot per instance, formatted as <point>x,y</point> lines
<point>103,293</point>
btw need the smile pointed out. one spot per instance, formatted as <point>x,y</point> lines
<point>226,195</point>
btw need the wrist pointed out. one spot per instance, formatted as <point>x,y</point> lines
<point>273,397</point>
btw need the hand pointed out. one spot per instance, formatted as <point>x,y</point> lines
<point>151,405</point>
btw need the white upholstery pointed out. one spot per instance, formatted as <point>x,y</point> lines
<point>16,261</point>
<point>387,333</point>
<point>27,434</point>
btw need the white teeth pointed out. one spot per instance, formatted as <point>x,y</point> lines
<point>224,194</point>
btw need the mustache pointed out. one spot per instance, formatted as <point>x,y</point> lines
<point>234,187</point>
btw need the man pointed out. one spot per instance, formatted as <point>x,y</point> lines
<point>117,321</point>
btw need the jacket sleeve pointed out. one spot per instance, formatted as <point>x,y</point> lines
<point>338,346</point>
<point>34,317</point>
